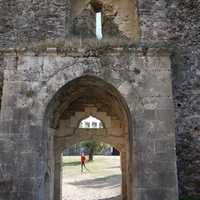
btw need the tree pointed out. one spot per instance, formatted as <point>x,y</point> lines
<point>94,147</point>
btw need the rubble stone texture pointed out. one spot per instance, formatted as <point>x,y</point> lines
<point>35,87</point>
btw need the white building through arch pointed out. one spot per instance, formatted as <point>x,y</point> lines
<point>91,122</point>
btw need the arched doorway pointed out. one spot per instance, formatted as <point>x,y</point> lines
<point>101,179</point>
<point>78,99</point>
<point>70,85</point>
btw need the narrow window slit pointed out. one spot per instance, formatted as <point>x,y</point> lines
<point>98,25</point>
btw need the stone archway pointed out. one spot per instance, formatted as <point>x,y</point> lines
<point>61,83</point>
<point>69,133</point>
<point>95,97</point>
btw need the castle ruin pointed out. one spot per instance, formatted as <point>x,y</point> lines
<point>146,93</point>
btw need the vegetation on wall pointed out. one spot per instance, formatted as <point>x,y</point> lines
<point>176,59</point>
<point>29,93</point>
<point>104,44</point>
<point>136,71</point>
<point>193,197</point>
<point>96,47</point>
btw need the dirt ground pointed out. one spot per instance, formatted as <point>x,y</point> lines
<point>83,186</point>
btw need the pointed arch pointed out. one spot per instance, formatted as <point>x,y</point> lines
<point>84,96</point>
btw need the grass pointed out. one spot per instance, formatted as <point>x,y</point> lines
<point>102,181</point>
<point>177,59</point>
<point>104,44</point>
<point>193,197</point>
<point>102,168</point>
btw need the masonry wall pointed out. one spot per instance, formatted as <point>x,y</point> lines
<point>30,86</point>
<point>177,21</point>
<point>25,22</point>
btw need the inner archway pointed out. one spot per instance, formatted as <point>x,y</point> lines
<point>102,181</point>
<point>80,98</point>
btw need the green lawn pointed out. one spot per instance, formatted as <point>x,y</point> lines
<point>102,167</point>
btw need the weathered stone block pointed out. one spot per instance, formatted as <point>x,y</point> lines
<point>155,193</point>
<point>21,195</point>
<point>3,158</point>
<point>147,179</point>
<point>7,113</point>
<point>163,127</point>
<point>145,146</point>
<point>4,128</point>
<point>102,132</point>
<point>21,88</point>
<point>4,144</point>
<point>34,132</point>
<point>115,123</point>
<point>28,161</point>
<point>168,166</point>
<point>115,131</point>
<point>101,115</point>
<point>8,88</point>
<point>65,132</point>
<point>150,103</point>
<point>21,113</point>
<point>165,115</point>
<point>149,167</point>
<point>90,111</point>
<point>73,122</point>
<point>165,156</point>
<point>149,114</point>
<point>5,195</point>
<point>57,168</point>
<point>165,102</point>
<point>9,170</point>
<point>64,124</point>
<point>162,145</point>
<point>6,185</point>
<point>24,185</point>
<point>165,179</point>
<point>80,115</point>
<point>107,122</point>
<point>16,126</point>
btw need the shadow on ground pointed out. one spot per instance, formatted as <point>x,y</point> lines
<point>112,198</point>
<point>99,182</point>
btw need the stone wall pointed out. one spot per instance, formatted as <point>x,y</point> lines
<point>187,94</point>
<point>1,77</point>
<point>42,88</point>
<point>178,22</point>
<point>25,22</point>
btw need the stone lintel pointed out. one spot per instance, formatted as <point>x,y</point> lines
<point>115,123</point>
<point>80,115</point>
<point>137,50</point>
<point>107,121</point>
<point>101,115</point>
<point>73,121</point>
<point>90,111</point>
<point>64,132</point>
<point>115,131</point>
<point>64,124</point>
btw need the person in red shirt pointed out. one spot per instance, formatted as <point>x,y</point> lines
<point>83,161</point>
